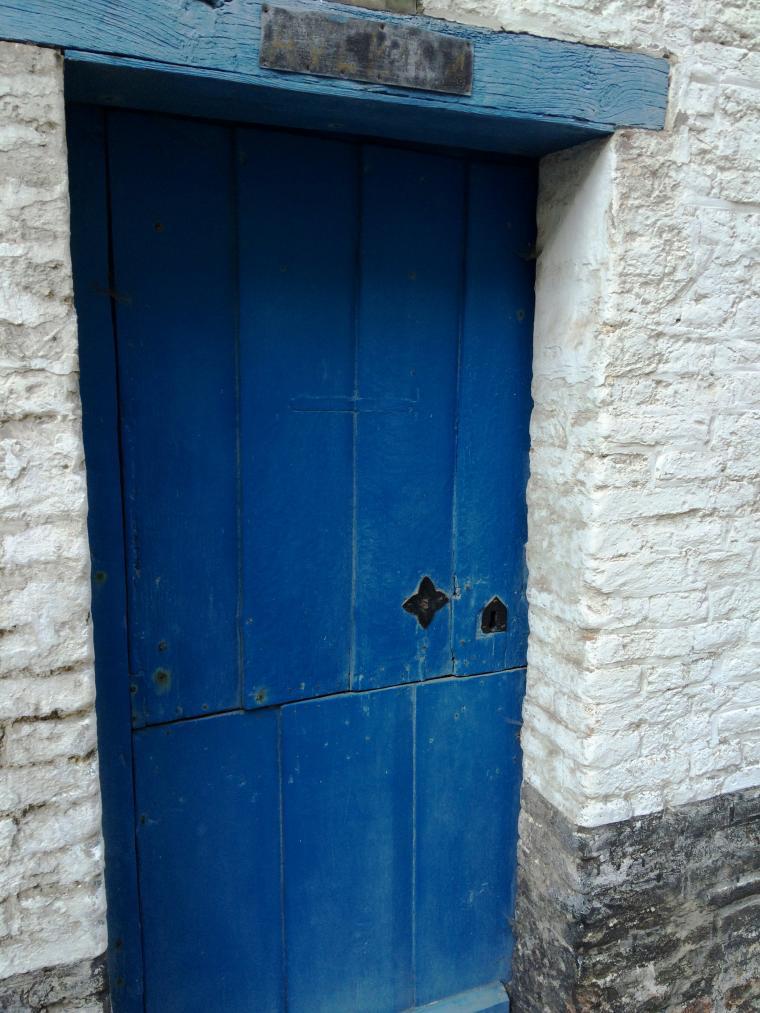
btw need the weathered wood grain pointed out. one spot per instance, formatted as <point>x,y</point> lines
<point>521,79</point>
<point>396,6</point>
<point>140,84</point>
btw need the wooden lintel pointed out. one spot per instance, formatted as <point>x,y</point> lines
<point>529,94</point>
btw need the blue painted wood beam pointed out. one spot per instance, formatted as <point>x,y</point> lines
<point>529,94</point>
<point>164,88</point>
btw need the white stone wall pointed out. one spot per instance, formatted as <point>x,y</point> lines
<point>644,530</point>
<point>644,501</point>
<point>51,895</point>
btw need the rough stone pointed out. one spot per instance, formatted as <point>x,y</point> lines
<point>644,543</point>
<point>655,914</point>
<point>52,905</point>
<point>643,499</point>
<point>80,987</point>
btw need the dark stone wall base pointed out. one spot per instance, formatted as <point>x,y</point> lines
<point>651,915</point>
<point>81,986</point>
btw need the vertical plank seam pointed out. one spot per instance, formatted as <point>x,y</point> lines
<point>124,518</point>
<point>455,590</point>
<point>235,241</point>
<point>414,687</point>
<point>128,534</point>
<point>355,416</point>
<point>281,801</point>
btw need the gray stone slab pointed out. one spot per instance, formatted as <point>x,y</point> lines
<point>79,986</point>
<point>648,915</point>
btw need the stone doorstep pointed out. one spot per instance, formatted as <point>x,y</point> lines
<point>484,999</point>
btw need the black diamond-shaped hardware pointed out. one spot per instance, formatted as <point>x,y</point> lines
<point>425,602</point>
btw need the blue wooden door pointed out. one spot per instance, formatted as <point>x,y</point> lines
<point>323,361</point>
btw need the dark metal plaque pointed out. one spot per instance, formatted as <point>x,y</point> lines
<point>312,42</point>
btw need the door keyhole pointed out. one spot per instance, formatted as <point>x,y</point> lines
<point>493,619</point>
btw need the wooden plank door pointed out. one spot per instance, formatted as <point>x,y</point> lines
<point>323,367</point>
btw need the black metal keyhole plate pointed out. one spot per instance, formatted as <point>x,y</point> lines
<point>425,602</point>
<point>493,618</point>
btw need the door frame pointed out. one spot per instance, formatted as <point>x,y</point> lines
<point>99,391</point>
<point>530,96</point>
<point>96,301</point>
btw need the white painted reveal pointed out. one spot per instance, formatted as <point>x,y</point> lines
<point>644,507</point>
